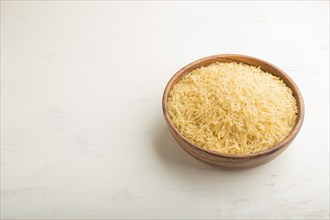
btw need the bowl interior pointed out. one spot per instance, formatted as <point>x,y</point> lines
<point>265,66</point>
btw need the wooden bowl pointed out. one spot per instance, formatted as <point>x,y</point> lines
<point>226,160</point>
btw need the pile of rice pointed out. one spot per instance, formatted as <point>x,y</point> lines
<point>232,108</point>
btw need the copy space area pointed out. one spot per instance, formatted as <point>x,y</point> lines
<point>82,130</point>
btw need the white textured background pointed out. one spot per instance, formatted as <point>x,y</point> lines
<point>82,131</point>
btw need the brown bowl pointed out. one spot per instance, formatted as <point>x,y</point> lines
<point>227,160</point>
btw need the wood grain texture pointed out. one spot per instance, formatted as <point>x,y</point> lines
<point>226,160</point>
<point>82,132</point>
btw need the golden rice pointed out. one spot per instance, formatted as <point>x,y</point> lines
<point>232,108</point>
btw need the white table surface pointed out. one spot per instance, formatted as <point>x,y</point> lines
<point>82,130</point>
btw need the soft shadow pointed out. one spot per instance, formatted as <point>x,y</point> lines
<point>187,169</point>
<point>174,157</point>
<point>170,151</point>
<point>194,175</point>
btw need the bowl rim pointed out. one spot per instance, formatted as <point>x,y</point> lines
<point>231,58</point>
